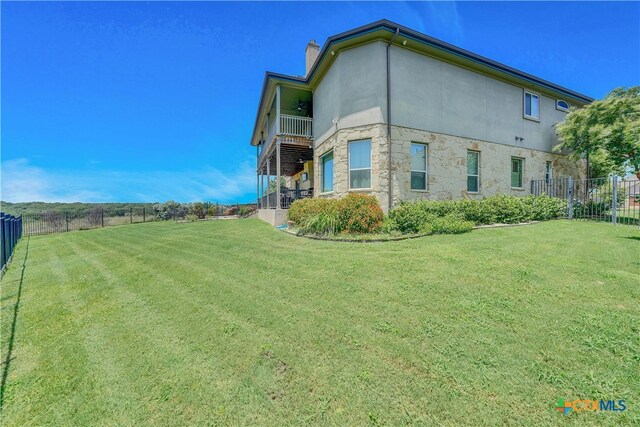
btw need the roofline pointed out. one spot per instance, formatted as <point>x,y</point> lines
<point>391,27</point>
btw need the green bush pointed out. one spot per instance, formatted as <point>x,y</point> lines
<point>408,217</point>
<point>302,210</point>
<point>453,223</point>
<point>359,214</point>
<point>325,223</point>
<point>507,209</point>
<point>389,226</point>
<point>411,217</point>
<point>353,214</point>
<point>543,207</point>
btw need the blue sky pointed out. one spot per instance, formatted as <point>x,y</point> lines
<point>106,102</point>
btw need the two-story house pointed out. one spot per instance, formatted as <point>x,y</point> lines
<point>388,111</point>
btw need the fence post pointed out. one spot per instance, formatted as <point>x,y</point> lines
<point>130,215</point>
<point>238,209</point>
<point>570,204</point>
<point>2,253</point>
<point>102,217</point>
<point>66,221</point>
<point>614,202</point>
<point>144,217</point>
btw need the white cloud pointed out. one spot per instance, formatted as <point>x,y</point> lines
<point>23,182</point>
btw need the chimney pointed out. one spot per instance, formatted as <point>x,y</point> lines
<point>311,52</point>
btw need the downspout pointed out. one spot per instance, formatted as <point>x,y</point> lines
<point>389,115</point>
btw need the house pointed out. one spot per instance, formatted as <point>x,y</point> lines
<point>388,111</point>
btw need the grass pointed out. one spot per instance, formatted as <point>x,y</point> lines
<point>233,322</point>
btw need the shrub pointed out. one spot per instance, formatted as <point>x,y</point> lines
<point>359,214</point>
<point>408,217</point>
<point>506,209</point>
<point>325,223</point>
<point>389,226</point>
<point>302,210</point>
<point>353,214</point>
<point>453,223</point>
<point>544,208</point>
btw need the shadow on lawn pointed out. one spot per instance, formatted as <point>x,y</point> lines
<point>632,237</point>
<point>7,361</point>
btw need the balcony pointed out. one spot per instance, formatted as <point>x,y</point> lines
<point>287,196</point>
<point>292,129</point>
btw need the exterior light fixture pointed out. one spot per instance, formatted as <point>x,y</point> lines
<point>404,42</point>
<point>333,52</point>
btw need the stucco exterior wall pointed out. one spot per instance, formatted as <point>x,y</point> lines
<point>431,94</point>
<point>428,93</point>
<point>352,92</point>
<point>446,165</point>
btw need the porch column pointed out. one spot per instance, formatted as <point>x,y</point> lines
<point>268,180</point>
<point>278,110</point>
<point>258,175</point>
<point>278,204</point>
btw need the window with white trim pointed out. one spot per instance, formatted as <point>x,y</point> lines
<point>418,166</point>
<point>473,171</point>
<point>562,105</point>
<point>327,172</point>
<point>516,172</point>
<point>531,105</point>
<point>360,164</point>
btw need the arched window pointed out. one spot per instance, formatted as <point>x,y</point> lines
<point>562,105</point>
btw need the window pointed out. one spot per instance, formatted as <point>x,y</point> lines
<point>531,105</point>
<point>516,172</point>
<point>360,164</point>
<point>562,105</point>
<point>418,166</point>
<point>327,172</point>
<point>548,171</point>
<point>473,171</point>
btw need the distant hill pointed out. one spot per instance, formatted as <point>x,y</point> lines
<point>110,209</point>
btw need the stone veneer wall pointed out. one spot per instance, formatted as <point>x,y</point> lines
<point>446,164</point>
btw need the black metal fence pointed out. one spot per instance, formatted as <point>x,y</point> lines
<point>609,199</point>
<point>48,222</point>
<point>11,232</point>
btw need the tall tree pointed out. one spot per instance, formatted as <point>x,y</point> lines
<point>608,131</point>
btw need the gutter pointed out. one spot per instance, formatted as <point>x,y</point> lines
<point>389,116</point>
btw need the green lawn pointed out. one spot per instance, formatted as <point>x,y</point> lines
<point>236,323</point>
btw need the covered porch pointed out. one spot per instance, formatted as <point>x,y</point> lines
<point>284,150</point>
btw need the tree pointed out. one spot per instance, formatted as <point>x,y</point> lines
<point>199,210</point>
<point>607,131</point>
<point>272,184</point>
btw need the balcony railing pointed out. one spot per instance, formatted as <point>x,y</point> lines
<point>287,196</point>
<point>294,126</point>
